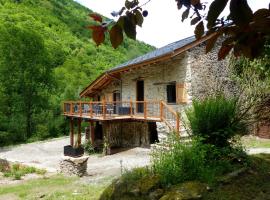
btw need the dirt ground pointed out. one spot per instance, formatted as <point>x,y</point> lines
<point>47,154</point>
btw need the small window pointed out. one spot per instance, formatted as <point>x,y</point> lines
<point>171,93</point>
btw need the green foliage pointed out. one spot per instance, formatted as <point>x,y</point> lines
<point>17,171</point>
<point>189,161</point>
<point>47,56</point>
<point>136,174</point>
<point>215,119</point>
<point>88,148</point>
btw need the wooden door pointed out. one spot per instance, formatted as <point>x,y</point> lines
<point>140,96</point>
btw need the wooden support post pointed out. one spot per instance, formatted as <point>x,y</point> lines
<point>79,132</point>
<point>92,131</point>
<point>104,109</point>
<point>145,109</point>
<point>161,110</point>
<point>71,132</point>
<point>131,108</point>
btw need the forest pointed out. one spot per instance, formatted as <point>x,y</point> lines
<point>47,56</point>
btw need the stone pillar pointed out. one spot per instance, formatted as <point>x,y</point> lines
<point>74,166</point>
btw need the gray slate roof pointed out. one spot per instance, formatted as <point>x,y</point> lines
<point>156,53</point>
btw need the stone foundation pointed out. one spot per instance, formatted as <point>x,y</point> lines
<point>73,166</point>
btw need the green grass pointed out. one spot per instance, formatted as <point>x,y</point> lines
<point>254,142</point>
<point>17,171</point>
<point>254,184</point>
<point>54,188</point>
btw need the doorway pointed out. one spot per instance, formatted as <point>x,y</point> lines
<point>140,96</point>
<point>117,103</point>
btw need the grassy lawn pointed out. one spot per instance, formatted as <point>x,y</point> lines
<point>255,142</point>
<point>53,188</point>
<point>253,185</point>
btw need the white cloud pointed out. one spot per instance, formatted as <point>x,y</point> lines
<point>163,24</point>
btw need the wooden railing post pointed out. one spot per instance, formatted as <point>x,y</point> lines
<point>104,108</point>
<point>80,108</point>
<point>131,108</point>
<point>177,123</point>
<point>71,108</point>
<point>145,109</point>
<point>161,110</point>
<point>91,109</point>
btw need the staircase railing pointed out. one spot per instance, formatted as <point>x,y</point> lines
<point>170,117</point>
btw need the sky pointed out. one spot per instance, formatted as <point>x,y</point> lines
<point>163,24</point>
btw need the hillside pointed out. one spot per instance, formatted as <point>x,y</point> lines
<point>71,61</point>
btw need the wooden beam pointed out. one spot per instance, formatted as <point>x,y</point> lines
<point>71,122</point>
<point>79,132</point>
<point>92,132</point>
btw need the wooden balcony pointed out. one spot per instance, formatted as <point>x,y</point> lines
<point>123,110</point>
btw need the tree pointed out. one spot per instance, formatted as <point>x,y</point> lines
<point>25,77</point>
<point>246,31</point>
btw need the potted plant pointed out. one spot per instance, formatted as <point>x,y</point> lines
<point>74,151</point>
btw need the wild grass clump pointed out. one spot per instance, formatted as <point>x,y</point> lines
<point>17,171</point>
<point>216,119</point>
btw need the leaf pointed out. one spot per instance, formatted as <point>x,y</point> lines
<point>215,9</point>
<point>98,34</point>
<point>199,30</point>
<point>224,51</point>
<point>116,35</point>
<point>139,18</point>
<point>185,14</point>
<point>211,43</point>
<point>261,14</point>
<point>130,28</point>
<point>96,17</point>
<point>195,20</point>
<point>240,12</point>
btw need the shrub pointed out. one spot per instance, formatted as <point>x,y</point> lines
<point>88,147</point>
<point>215,119</point>
<point>136,174</point>
<point>188,161</point>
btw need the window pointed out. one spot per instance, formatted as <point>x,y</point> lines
<point>171,93</point>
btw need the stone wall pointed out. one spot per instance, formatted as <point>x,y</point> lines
<point>127,133</point>
<point>208,75</point>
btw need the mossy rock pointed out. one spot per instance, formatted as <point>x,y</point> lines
<point>148,184</point>
<point>185,191</point>
<point>122,189</point>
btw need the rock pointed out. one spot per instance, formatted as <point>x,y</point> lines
<point>185,191</point>
<point>148,184</point>
<point>74,166</point>
<point>156,194</point>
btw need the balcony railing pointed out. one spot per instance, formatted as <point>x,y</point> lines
<point>145,110</point>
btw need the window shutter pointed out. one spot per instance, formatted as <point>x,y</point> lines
<point>181,93</point>
<point>109,97</point>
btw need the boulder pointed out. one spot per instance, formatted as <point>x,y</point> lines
<point>185,191</point>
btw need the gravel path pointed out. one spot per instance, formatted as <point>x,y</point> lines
<point>47,155</point>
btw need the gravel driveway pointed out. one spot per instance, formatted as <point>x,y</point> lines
<point>47,155</point>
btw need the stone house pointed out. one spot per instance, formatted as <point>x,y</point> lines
<point>133,104</point>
